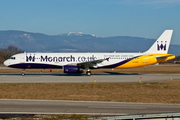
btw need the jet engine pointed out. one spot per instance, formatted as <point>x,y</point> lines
<point>71,69</point>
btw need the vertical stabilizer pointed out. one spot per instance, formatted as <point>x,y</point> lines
<point>161,45</point>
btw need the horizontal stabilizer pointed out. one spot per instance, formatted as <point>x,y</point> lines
<point>163,57</point>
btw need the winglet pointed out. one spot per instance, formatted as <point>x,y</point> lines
<point>161,45</point>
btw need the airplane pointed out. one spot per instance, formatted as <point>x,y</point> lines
<point>78,62</point>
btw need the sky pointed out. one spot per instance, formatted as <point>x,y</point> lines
<point>103,18</point>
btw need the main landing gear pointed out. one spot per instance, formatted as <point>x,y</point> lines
<point>88,73</point>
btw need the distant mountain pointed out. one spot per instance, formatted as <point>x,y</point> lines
<point>76,42</point>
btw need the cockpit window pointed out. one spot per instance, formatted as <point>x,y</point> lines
<point>13,58</point>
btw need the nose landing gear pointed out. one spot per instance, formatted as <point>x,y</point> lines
<point>23,72</point>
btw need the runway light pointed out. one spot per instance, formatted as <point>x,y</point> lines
<point>94,79</point>
<point>140,80</point>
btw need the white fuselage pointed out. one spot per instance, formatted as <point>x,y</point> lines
<point>57,60</point>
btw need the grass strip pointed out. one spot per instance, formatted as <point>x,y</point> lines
<point>162,92</point>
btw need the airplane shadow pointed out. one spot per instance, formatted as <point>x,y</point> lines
<point>70,74</point>
<point>116,73</point>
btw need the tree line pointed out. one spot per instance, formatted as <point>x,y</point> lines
<point>8,52</point>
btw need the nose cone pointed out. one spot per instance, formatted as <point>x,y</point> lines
<point>6,63</point>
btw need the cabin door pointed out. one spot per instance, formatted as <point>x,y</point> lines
<point>22,58</point>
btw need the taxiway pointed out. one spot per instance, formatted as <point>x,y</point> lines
<point>64,78</point>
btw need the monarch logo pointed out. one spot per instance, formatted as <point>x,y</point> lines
<point>30,58</point>
<point>161,46</point>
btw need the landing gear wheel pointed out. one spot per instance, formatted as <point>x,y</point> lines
<point>23,74</point>
<point>88,73</point>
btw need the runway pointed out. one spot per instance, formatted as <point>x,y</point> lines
<point>64,78</point>
<point>82,107</point>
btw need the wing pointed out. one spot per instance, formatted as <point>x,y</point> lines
<point>91,64</point>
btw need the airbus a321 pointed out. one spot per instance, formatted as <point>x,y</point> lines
<point>78,62</point>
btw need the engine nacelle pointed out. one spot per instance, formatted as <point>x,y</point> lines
<point>71,69</point>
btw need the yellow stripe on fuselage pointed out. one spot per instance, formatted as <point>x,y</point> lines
<point>146,60</point>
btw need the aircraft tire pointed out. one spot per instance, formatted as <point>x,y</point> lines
<point>88,73</point>
<point>23,74</point>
